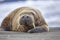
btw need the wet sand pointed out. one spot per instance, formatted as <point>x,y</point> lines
<point>54,34</point>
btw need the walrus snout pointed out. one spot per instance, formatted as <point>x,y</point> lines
<point>25,20</point>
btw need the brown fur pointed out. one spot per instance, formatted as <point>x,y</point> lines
<point>12,20</point>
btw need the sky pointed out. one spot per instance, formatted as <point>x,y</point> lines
<point>50,10</point>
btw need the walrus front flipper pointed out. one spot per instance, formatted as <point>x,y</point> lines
<point>37,30</point>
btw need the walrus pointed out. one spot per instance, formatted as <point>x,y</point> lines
<point>25,19</point>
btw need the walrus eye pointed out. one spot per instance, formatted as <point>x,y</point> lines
<point>27,17</point>
<point>23,17</point>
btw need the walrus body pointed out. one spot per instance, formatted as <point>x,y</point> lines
<point>25,19</point>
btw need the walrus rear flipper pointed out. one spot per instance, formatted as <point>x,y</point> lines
<point>6,24</point>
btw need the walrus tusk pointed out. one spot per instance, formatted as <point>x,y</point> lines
<point>33,25</point>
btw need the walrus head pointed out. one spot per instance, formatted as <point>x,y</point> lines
<point>27,19</point>
<point>24,20</point>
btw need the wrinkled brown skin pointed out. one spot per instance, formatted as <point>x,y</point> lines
<point>8,22</point>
